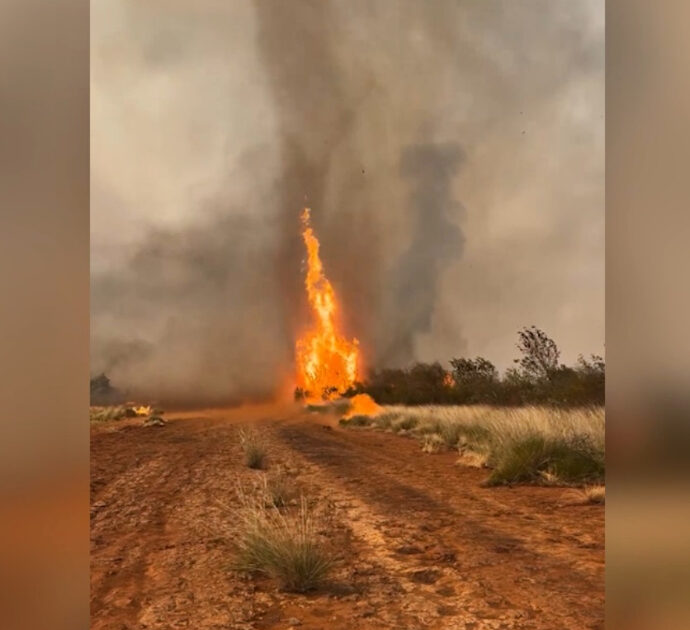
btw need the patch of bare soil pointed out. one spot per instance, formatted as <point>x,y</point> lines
<point>418,542</point>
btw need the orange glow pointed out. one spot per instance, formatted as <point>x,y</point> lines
<point>448,380</point>
<point>326,361</point>
<point>143,410</point>
<point>363,405</point>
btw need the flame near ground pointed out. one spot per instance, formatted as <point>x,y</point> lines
<point>327,363</point>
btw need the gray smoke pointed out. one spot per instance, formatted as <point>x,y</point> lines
<point>451,153</point>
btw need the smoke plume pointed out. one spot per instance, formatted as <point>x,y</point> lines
<point>451,152</point>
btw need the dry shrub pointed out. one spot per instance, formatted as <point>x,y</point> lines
<point>278,488</point>
<point>404,423</point>
<point>358,420</point>
<point>472,459</point>
<point>595,494</point>
<point>546,459</point>
<point>103,414</point>
<point>254,448</point>
<point>284,546</point>
<point>544,445</point>
<point>433,443</point>
<point>582,496</point>
<point>384,421</point>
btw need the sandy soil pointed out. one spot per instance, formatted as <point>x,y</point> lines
<point>418,542</point>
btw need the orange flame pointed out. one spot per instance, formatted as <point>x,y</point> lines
<point>363,405</point>
<point>327,363</point>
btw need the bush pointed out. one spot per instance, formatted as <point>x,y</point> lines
<point>532,458</point>
<point>472,435</point>
<point>285,547</point>
<point>278,489</point>
<point>254,448</point>
<point>356,421</point>
<point>103,414</point>
<point>433,443</point>
<point>102,392</point>
<point>384,420</point>
<point>536,379</point>
<point>589,494</point>
<point>405,424</point>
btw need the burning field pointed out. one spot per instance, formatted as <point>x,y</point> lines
<point>320,232</point>
<point>293,514</point>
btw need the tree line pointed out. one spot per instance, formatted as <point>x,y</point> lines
<point>536,378</point>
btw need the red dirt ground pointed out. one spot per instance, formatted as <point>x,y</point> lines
<point>418,542</point>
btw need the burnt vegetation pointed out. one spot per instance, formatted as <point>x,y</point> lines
<point>536,379</point>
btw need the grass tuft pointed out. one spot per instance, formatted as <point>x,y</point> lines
<point>405,423</point>
<point>103,414</point>
<point>595,494</point>
<point>531,444</point>
<point>254,448</point>
<point>433,443</point>
<point>581,496</point>
<point>539,458</point>
<point>285,547</point>
<point>278,489</point>
<point>356,421</point>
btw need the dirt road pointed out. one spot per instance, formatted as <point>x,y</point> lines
<point>418,542</point>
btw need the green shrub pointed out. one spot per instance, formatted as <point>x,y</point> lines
<point>530,458</point>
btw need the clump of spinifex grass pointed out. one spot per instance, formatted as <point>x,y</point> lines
<point>278,488</point>
<point>356,421</point>
<point>254,448</point>
<point>542,445</point>
<point>554,459</point>
<point>588,494</point>
<point>283,545</point>
<point>112,412</point>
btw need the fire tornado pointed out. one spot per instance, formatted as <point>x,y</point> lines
<point>326,362</point>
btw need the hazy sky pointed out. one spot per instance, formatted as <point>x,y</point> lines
<point>452,152</point>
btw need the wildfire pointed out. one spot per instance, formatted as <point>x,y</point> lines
<point>143,410</point>
<point>327,362</point>
<point>363,405</point>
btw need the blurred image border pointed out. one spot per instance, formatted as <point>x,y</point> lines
<point>44,478</point>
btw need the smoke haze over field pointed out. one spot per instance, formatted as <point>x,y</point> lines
<point>452,154</point>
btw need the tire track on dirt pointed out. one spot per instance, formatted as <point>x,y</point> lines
<point>470,539</point>
<point>419,544</point>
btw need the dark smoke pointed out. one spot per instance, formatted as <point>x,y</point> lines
<point>400,124</point>
<point>436,241</point>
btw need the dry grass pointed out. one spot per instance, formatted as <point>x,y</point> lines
<point>595,494</point>
<point>283,545</point>
<point>581,496</point>
<point>278,488</point>
<point>544,445</point>
<point>472,459</point>
<point>116,412</point>
<point>254,447</point>
<point>432,443</point>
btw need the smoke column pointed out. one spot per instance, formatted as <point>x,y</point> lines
<point>451,152</point>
